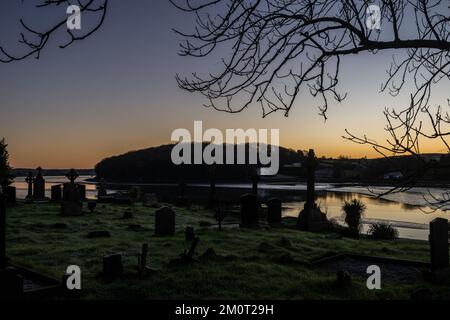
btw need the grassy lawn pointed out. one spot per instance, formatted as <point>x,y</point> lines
<point>251,264</point>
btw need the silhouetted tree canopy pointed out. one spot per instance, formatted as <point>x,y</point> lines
<point>277,50</point>
<point>155,165</point>
<point>5,169</point>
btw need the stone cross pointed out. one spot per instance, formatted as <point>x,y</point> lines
<point>39,185</point>
<point>72,175</point>
<point>311,166</point>
<point>29,179</point>
<point>71,206</point>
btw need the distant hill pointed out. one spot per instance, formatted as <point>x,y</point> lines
<point>21,172</point>
<point>155,165</point>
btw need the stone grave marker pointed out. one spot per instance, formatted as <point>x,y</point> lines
<point>150,200</point>
<point>71,204</point>
<point>112,266</point>
<point>39,186</point>
<point>164,222</point>
<point>56,193</point>
<point>101,187</point>
<point>249,210</point>
<point>311,218</point>
<point>82,190</point>
<point>10,194</point>
<point>29,180</point>
<point>439,244</point>
<point>274,211</point>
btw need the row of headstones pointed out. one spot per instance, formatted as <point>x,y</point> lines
<point>165,217</point>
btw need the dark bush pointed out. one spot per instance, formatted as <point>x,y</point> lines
<point>353,213</point>
<point>383,231</point>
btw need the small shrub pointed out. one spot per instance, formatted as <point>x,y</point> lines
<point>353,213</point>
<point>383,231</point>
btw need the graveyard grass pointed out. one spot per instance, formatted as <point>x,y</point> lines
<point>250,263</point>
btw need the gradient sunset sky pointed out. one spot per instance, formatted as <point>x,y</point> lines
<point>116,91</point>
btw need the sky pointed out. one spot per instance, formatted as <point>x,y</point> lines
<point>116,91</point>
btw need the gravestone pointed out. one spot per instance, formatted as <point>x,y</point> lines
<point>71,204</point>
<point>164,222</point>
<point>255,180</point>
<point>101,187</point>
<point>82,191</point>
<point>249,210</point>
<point>10,194</point>
<point>56,193</point>
<point>39,186</point>
<point>311,218</point>
<point>219,216</point>
<point>112,266</point>
<point>150,200</point>
<point>439,244</point>
<point>91,206</point>
<point>274,211</point>
<point>29,180</point>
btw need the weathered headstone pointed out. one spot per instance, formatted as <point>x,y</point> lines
<point>274,211</point>
<point>112,266</point>
<point>91,206</point>
<point>255,180</point>
<point>219,216</point>
<point>101,187</point>
<point>150,200</point>
<point>29,180</point>
<point>10,194</point>
<point>249,210</point>
<point>39,186</point>
<point>311,218</point>
<point>142,259</point>
<point>439,244</point>
<point>56,193</point>
<point>165,222</point>
<point>82,190</point>
<point>71,204</point>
